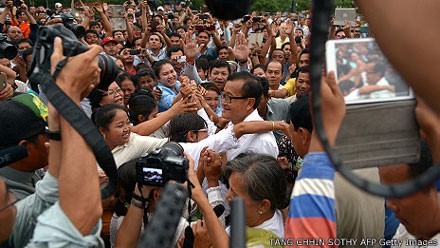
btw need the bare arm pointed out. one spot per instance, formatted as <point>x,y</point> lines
<point>129,30</point>
<point>104,19</point>
<point>260,127</point>
<point>78,181</point>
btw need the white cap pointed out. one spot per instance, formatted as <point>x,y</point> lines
<point>160,8</point>
<point>58,5</point>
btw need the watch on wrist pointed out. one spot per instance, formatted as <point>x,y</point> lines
<point>139,204</point>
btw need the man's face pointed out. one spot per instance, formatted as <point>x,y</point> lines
<point>417,211</point>
<point>372,76</point>
<point>235,110</point>
<point>223,54</point>
<point>92,38</point>
<point>14,33</point>
<point>278,55</point>
<point>127,57</point>
<point>181,32</point>
<point>283,28</point>
<point>119,36</point>
<point>274,75</point>
<point>174,57</point>
<point>302,85</point>
<point>300,140</point>
<point>137,44</point>
<point>24,46</point>
<point>23,17</point>
<point>218,76</point>
<point>202,38</point>
<point>154,42</point>
<point>304,60</point>
<point>175,41</point>
<point>111,48</point>
<point>97,28</point>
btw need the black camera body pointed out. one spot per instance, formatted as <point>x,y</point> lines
<point>43,49</point>
<point>162,165</point>
<point>7,50</point>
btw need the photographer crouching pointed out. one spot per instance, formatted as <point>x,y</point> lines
<point>74,218</point>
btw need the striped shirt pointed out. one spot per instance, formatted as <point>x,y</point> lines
<point>312,215</point>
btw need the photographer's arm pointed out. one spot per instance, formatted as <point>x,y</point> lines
<point>78,181</point>
<point>129,231</point>
<point>385,23</point>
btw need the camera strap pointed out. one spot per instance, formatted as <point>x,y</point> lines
<point>80,122</point>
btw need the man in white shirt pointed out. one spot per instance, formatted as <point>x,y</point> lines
<point>241,97</point>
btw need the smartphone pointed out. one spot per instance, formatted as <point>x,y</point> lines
<point>2,81</point>
<point>203,16</point>
<point>256,19</point>
<point>134,52</point>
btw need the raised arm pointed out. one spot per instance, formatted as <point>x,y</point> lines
<point>79,185</point>
<point>105,22</point>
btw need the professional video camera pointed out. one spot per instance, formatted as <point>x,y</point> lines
<point>69,22</point>
<point>40,63</point>
<point>7,50</point>
<point>162,165</point>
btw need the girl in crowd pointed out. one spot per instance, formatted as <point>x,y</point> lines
<point>167,77</point>
<point>113,95</point>
<point>113,123</point>
<point>212,97</point>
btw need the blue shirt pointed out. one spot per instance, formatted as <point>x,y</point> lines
<point>168,95</point>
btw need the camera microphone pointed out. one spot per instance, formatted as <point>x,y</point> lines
<point>12,154</point>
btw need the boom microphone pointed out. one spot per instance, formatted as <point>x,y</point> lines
<point>12,154</point>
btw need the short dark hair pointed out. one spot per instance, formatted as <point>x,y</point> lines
<point>91,31</point>
<point>174,34</point>
<point>174,49</point>
<point>251,88</point>
<point>219,64</point>
<point>264,85</point>
<point>181,124</point>
<point>304,69</point>
<point>105,115</point>
<point>142,102</point>
<point>380,68</point>
<point>23,40</point>
<point>202,63</point>
<point>300,115</point>
<point>142,73</point>
<point>211,86</point>
<point>262,178</point>
<point>263,67</point>
<point>123,76</point>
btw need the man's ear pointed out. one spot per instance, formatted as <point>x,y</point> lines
<point>305,135</point>
<point>250,103</point>
<point>191,136</point>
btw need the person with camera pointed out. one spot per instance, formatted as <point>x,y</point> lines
<point>62,222</point>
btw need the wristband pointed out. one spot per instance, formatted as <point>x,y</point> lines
<point>53,135</point>
<point>139,204</point>
<point>190,61</point>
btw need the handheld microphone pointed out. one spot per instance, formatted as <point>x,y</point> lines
<point>12,154</point>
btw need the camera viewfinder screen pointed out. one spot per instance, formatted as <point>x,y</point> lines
<point>153,175</point>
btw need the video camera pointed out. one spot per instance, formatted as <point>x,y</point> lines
<point>162,165</point>
<point>7,50</point>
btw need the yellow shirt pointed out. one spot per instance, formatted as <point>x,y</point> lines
<point>290,86</point>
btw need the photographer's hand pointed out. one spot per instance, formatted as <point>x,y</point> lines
<point>76,85</point>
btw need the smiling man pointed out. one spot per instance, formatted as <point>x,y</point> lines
<point>241,97</point>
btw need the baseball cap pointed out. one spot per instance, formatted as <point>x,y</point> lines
<point>58,5</point>
<point>108,39</point>
<point>160,8</point>
<point>24,116</point>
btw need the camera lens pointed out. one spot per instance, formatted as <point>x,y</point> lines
<point>173,149</point>
<point>109,71</point>
<point>78,30</point>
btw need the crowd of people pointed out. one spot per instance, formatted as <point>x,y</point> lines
<point>239,110</point>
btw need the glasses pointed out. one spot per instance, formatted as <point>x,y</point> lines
<point>201,130</point>
<point>111,93</point>
<point>229,98</point>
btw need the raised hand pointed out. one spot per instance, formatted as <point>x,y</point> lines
<point>190,49</point>
<point>241,50</point>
